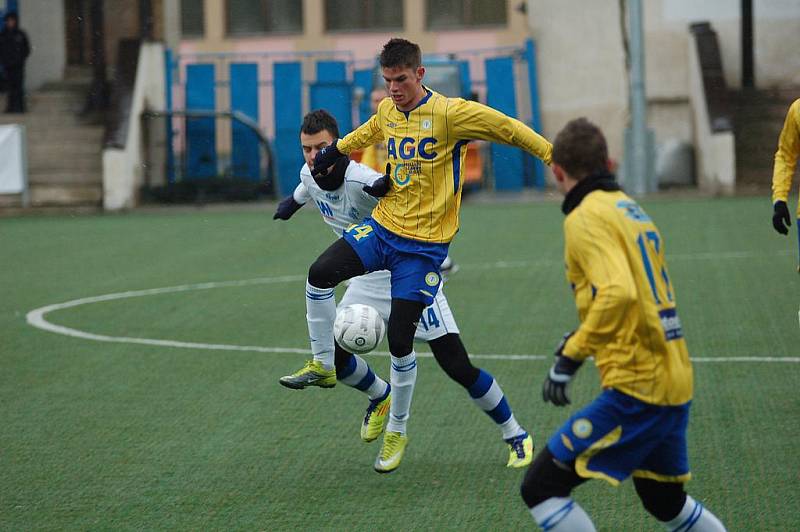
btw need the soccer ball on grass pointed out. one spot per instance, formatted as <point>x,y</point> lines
<point>358,328</point>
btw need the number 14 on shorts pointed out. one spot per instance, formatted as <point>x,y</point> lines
<point>359,231</point>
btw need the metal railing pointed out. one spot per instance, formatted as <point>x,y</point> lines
<point>168,176</point>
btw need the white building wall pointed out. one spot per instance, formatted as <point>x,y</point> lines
<point>582,61</point>
<point>777,42</point>
<point>581,65</point>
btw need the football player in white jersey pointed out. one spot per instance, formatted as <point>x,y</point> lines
<point>342,201</point>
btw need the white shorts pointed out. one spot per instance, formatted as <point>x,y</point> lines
<point>375,289</point>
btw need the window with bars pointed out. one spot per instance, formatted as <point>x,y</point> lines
<point>452,14</point>
<point>255,17</point>
<point>192,18</point>
<point>363,15</point>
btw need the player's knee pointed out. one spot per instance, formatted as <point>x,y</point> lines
<point>403,320</point>
<point>452,357</point>
<point>401,340</point>
<point>663,500</point>
<point>546,478</point>
<point>319,274</point>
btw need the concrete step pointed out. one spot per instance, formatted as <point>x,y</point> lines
<point>754,177</point>
<point>61,195</point>
<point>757,145</point>
<point>78,85</point>
<point>760,113</point>
<point>41,121</point>
<point>90,135</point>
<point>787,93</point>
<point>59,102</point>
<point>78,73</point>
<point>8,201</point>
<point>71,165</point>
<point>63,150</point>
<point>65,177</point>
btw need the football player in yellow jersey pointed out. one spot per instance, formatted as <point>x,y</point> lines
<point>412,225</point>
<point>785,164</point>
<point>375,157</point>
<point>629,324</point>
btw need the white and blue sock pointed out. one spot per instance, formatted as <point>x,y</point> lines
<point>320,314</point>
<point>562,514</point>
<point>403,378</point>
<point>357,374</point>
<point>694,518</point>
<point>489,397</point>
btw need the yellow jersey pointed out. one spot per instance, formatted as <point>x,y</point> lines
<point>375,157</point>
<point>626,304</point>
<point>786,156</point>
<point>426,150</point>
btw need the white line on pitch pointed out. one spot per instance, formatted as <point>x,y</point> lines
<point>36,318</point>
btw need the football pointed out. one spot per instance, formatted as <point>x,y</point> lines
<point>358,328</point>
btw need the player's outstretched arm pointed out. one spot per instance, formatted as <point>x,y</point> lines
<point>290,204</point>
<point>783,170</point>
<point>368,133</point>
<point>472,120</point>
<point>381,186</point>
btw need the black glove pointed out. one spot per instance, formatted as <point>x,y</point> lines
<point>324,158</point>
<point>554,388</point>
<point>381,186</point>
<point>781,220</point>
<point>287,208</point>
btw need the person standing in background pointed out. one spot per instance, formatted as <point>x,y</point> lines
<point>14,50</point>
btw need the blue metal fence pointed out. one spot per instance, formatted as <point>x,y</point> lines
<point>288,115</point>
<point>246,155</point>
<point>201,133</point>
<point>274,90</point>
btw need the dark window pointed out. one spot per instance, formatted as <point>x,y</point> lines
<point>444,14</point>
<point>192,18</point>
<point>253,17</point>
<point>344,15</point>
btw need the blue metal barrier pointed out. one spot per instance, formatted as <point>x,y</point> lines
<point>536,112</point>
<point>201,133</point>
<point>288,116</point>
<point>276,78</point>
<point>363,80</point>
<point>466,81</point>
<point>169,65</point>
<point>245,152</point>
<point>332,91</point>
<point>506,161</point>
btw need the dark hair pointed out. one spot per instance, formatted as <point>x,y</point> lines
<point>401,53</point>
<point>11,15</point>
<point>320,120</point>
<point>580,149</point>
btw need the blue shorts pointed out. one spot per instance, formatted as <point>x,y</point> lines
<point>414,265</point>
<point>616,436</point>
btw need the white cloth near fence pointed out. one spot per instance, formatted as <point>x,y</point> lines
<point>12,167</point>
